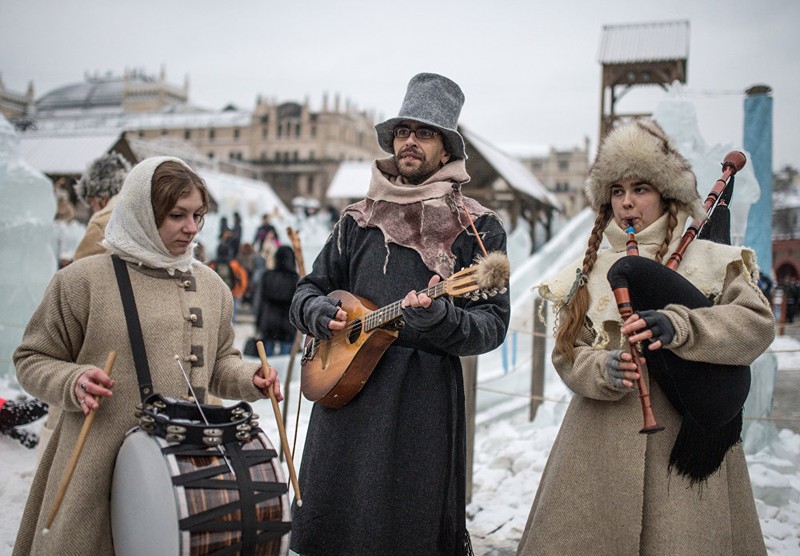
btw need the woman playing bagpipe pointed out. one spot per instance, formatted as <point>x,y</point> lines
<point>606,489</point>
<point>185,311</point>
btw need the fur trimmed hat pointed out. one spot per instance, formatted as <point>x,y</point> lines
<point>103,178</point>
<point>433,100</point>
<point>642,150</point>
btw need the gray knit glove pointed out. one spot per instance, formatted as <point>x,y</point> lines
<point>615,374</point>
<point>659,325</point>
<point>318,312</point>
<point>425,319</point>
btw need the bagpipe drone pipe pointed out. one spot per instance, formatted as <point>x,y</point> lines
<point>709,396</point>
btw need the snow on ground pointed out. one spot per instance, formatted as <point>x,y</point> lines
<point>510,454</point>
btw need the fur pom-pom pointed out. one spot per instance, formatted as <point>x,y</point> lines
<point>493,271</point>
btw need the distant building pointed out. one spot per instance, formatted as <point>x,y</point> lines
<point>289,145</point>
<point>563,172</point>
<point>14,104</point>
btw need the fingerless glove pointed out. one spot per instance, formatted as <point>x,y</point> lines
<point>318,312</point>
<point>425,319</point>
<point>615,375</point>
<point>659,324</point>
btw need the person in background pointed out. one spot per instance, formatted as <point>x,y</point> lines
<point>232,274</point>
<point>235,240</point>
<point>247,260</point>
<point>606,488</point>
<point>185,312</point>
<point>791,292</point>
<point>268,249</point>
<point>765,285</point>
<point>386,473</point>
<point>98,189</point>
<point>277,290</point>
<point>263,230</point>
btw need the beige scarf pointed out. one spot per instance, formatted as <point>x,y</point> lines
<point>426,218</point>
<point>704,264</point>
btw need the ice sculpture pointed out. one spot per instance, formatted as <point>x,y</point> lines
<point>26,234</point>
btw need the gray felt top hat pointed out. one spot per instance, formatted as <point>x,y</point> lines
<point>433,100</point>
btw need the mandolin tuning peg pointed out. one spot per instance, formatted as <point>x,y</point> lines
<point>503,289</point>
<point>484,296</point>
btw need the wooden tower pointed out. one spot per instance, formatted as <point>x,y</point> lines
<point>639,54</point>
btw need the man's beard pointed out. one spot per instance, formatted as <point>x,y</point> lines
<point>416,175</point>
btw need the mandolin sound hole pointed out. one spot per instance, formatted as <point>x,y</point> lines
<point>355,331</point>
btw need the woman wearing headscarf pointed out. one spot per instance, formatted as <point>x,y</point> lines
<point>606,489</point>
<point>185,313</point>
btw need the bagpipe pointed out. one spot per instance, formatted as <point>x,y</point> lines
<point>709,396</point>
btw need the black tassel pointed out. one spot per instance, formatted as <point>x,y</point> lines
<point>698,452</point>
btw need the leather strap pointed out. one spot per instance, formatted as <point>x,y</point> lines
<point>134,328</point>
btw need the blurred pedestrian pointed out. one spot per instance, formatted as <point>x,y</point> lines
<point>277,289</point>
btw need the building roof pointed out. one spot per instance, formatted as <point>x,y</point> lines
<point>513,171</point>
<point>350,180</point>
<point>171,117</point>
<point>66,154</point>
<point>644,42</point>
<point>92,93</point>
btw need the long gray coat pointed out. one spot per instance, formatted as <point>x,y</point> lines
<point>606,488</point>
<point>78,322</point>
<point>385,473</point>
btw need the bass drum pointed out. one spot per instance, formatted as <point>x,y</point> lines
<point>176,499</point>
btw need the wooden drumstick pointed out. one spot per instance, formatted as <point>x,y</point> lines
<point>281,430</point>
<point>76,451</point>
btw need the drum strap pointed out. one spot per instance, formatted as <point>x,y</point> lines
<point>134,328</point>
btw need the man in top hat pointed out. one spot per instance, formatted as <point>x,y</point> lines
<point>385,472</point>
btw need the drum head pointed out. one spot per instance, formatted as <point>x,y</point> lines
<point>144,515</point>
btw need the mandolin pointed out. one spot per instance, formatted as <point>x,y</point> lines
<point>333,371</point>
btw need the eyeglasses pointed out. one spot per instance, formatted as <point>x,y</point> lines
<point>421,133</point>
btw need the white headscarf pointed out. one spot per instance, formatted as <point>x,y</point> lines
<point>131,232</point>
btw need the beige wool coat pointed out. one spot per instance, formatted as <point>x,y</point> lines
<point>78,322</point>
<point>95,232</point>
<point>606,488</point>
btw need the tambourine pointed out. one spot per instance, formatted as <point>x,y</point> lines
<point>185,422</point>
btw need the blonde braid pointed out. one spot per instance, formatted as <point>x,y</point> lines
<point>573,313</point>
<point>672,223</point>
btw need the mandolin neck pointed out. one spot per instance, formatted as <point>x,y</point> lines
<point>393,311</point>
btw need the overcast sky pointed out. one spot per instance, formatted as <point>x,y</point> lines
<point>528,68</point>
